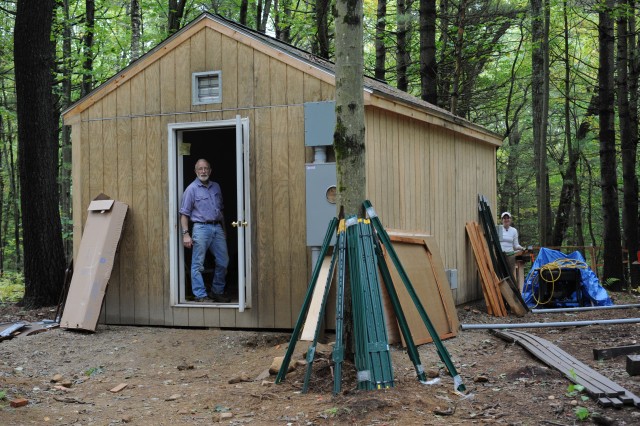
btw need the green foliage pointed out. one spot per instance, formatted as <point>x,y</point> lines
<point>94,371</point>
<point>11,287</point>
<point>582,413</point>
<point>3,394</point>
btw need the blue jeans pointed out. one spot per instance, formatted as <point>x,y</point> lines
<point>208,237</point>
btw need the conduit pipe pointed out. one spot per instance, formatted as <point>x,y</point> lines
<point>549,324</point>
<point>584,308</point>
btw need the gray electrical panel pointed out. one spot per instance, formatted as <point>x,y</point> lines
<point>321,186</point>
<point>319,123</point>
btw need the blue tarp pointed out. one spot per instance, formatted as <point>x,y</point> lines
<point>592,291</point>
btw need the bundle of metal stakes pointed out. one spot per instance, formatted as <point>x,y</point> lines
<point>372,358</point>
<point>358,249</point>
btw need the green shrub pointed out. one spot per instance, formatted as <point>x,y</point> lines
<point>11,287</point>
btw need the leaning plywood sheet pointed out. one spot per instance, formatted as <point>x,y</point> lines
<point>93,264</point>
<point>420,258</point>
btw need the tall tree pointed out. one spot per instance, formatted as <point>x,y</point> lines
<point>628,138</point>
<point>349,134</point>
<point>428,63</point>
<point>38,152</point>
<point>176,13</point>
<point>321,42</point>
<point>87,47</point>
<point>403,24</point>
<point>608,176</point>
<point>136,29</point>
<point>540,108</point>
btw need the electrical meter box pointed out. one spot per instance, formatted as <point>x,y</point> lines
<point>321,196</point>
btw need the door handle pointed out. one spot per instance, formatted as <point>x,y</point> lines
<point>238,224</point>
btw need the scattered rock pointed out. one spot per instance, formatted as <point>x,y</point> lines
<point>126,419</point>
<point>56,378</point>
<point>242,377</point>
<point>66,383</point>
<point>277,363</point>
<point>183,367</point>
<point>432,373</point>
<point>481,379</point>
<point>173,397</point>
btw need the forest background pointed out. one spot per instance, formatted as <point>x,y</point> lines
<point>557,79</point>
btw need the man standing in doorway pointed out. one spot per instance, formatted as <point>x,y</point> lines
<point>202,204</point>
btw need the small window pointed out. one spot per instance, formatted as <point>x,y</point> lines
<point>206,87</point>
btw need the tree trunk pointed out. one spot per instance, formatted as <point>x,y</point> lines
<point>509,187</point>
<point>87,48</point>
<point>628,141</point>
<point>37,153</point>
<point>321,42</point>
<point>262,15</point>
<point>539,72</point>
<point>283,20</point>
<point>569,176</point>
<point>176,13</point>
<point>381,48</point>
<point>460,23</point>
<point>403,24</point>
<point>65,166</point>
<point>428,63</point>
<point>634,75</point>
<point>349,134</point>
<point>609,181</point>
<point>136,28</point>
<point>244,8</point>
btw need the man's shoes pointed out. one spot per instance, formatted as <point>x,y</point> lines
<point>220,298</point>
<point>203,300</point>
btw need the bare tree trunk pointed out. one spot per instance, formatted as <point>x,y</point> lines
<point>38,153</point>
<point>244,8</point>
<point>540,67</point>
<point>176,13</point>
<point>628,138</point>
<point>262,15</point>
<point>381,48</point>
<point>609,181</point>
<point>65,158</point>
<point>428,63</point>
<point>349,134</point>
<point>509,186</point>
<point>403,24</point>
<point>283,20</point>
<point>136,29</point>
<point>460,23</point>
<point>87,48</point>
<point>321,42</point>
<point>3,233</point>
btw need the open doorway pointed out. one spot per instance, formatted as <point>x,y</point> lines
<point>218,147</point>
<point>225,145</point>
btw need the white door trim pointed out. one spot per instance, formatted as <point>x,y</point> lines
<point>175,181</point>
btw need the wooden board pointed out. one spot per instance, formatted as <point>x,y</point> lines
<point>311,321</point>
<point>420,258</point>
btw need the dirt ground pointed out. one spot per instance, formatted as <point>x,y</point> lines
<point>204,376</point>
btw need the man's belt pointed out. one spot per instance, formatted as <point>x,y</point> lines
<point>211,222</point>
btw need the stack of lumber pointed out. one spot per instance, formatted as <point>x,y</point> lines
<point>488,276</point>
<point>606,392</point>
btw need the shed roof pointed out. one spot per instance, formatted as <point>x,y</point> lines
<point>377,93</point>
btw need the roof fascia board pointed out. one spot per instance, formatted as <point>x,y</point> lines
<point>434,117</point>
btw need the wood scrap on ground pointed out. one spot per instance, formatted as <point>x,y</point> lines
<point>606,392</point>
<point>609,353</point>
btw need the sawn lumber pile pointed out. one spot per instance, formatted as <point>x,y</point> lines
<point>488,276</point>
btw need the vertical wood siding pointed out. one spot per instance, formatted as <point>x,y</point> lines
<point>425,178</point>
<point>419,177</point>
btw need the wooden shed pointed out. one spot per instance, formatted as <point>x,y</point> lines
<point>247,102</point>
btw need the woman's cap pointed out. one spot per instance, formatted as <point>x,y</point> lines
<point>505,214</point>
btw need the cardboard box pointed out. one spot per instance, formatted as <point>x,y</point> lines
<point>94,263</point>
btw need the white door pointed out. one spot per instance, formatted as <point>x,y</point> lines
<point>229,139</point>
